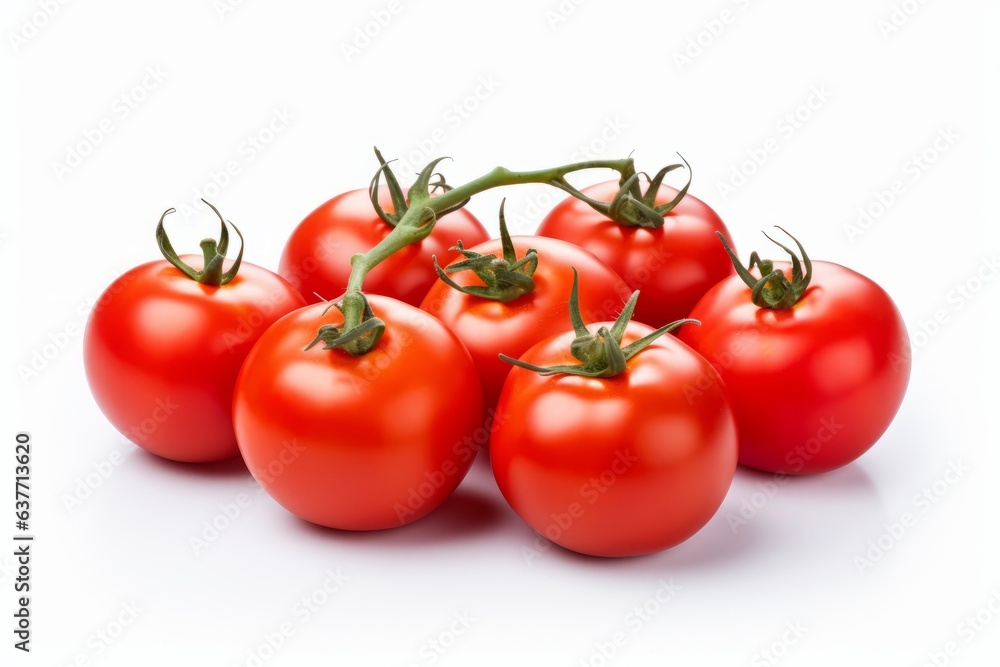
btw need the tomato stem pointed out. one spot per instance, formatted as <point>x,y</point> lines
<point>399,202</point>
<point>213,251</point>
<point>421,212</point>
<point>366,334</point>
<point>631,207</point>
<point>600,354</point>
<point>504,278</point>
<point>773,289</point>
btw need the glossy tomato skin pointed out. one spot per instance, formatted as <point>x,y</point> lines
<point>620,466</point>
<point>488,327</point>
<point>673,266</point>
<point>162,352</point>
<point>815,385</point>
<point>317,257</point>
<point>359,443</point>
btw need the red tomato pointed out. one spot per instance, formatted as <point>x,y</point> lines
<point>489,327</point>
<point>162,352</point>
<point>317,256</point>
<point>814,385</point>
<point>673,265</point>
<point>618,466</point>
<point>359,443</point>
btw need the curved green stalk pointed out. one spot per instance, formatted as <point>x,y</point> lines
<point>417,221</point>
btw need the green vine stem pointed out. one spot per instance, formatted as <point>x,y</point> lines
<point>416,223</point>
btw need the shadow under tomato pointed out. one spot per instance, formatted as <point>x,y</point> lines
<point>465,514</point>
<point>813,509</point>
<point>852,478</point>
<point>843,498</point>
<point>481,472</point>
<point>230,468</point>
<point>711,546</point>
<point>717,543</point>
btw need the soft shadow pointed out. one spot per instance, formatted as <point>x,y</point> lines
<point>465,514</point>
<point>481,472</point>
<point>228,469</point>
<point>717,544</point>
<point>710,547</point>
<point>852,479</point>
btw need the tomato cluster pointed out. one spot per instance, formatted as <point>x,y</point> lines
<point>608,435</point>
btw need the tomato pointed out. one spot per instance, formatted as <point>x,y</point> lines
<point>162,352</point>
<point>814,385</point>
<point>673,265</point>
<point>488,327</point>
<point>359,443</point>
<point>317,256</point>
<point>615,466</point>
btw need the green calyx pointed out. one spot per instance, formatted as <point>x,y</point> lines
<point>505,278</point>
<point>632,207</point>
<point>418,194</point>
<point>357,340</point>
<point>773,289</point>
<point>601,354</point>
<point>213,251</point>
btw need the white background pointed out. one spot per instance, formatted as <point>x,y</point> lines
<point>600,75</point>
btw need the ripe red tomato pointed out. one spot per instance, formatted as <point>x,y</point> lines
<point>317,256</point>
<point>814,385</point>
<point>618,466</point>
<point>359,443</point>
<point>488,327</point>
<point>673,265</point>
<point>162,352</point>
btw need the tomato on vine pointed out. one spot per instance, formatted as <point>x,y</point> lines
<point>507,294</point>
<point>661,241</point>
<point>602,450</point>
<point>373,430</point>
<point>317,256</point>
<point>358,443</point>
<point>815,356</point>
<point>164,345</point>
